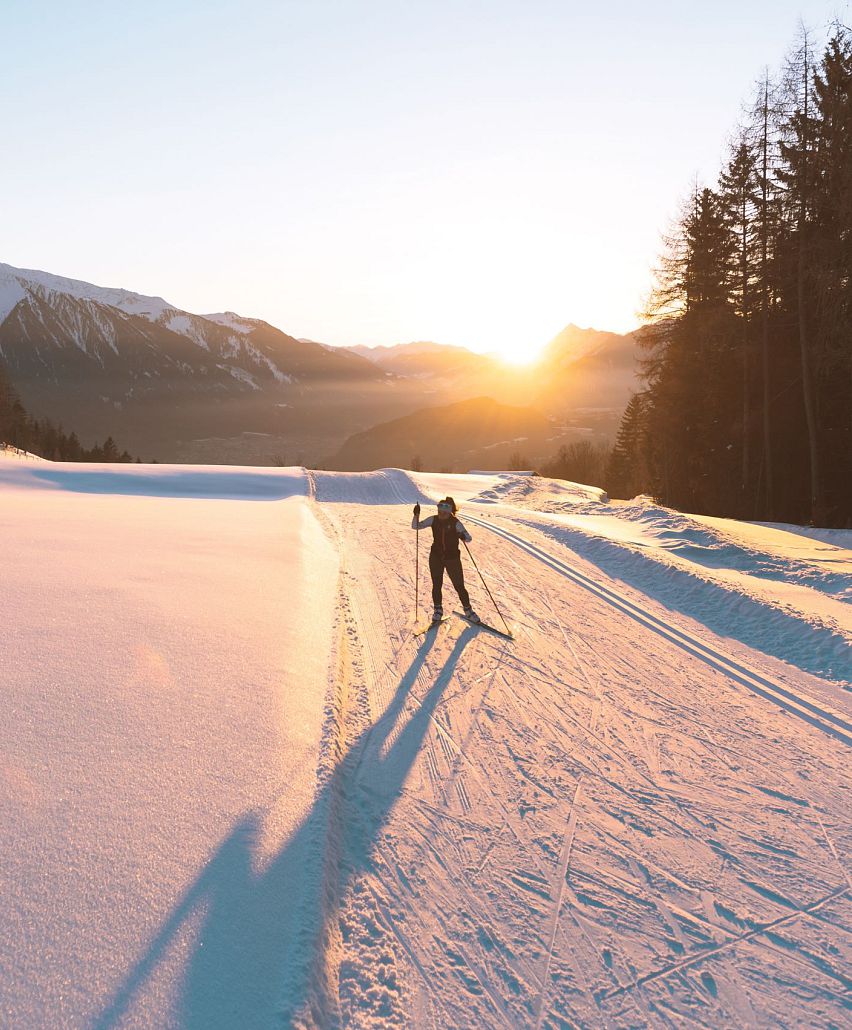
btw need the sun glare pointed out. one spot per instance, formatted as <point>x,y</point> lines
<point>519,357</point>
<point>516,354</point>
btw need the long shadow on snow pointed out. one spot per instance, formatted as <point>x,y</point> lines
<point>257,931</point>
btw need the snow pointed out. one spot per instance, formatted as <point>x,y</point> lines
<point>9,453</point>
<point>243,377</point>
<point>232,320</point>
<point>773,590</point>
<point>237,791</point>
<point>17,283</point>
<point>149,728</point>
<point>46,283</point>
<point>11,291</point>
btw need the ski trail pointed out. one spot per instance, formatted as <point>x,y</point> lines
<point>557,850</point>
<point>799,704</point>
<point>677,967</point>
<point>562,874</point>
<point>832,848</point>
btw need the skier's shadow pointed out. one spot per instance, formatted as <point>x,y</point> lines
<point>249,963</point>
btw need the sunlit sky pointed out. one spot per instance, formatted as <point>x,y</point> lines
<point>473,172</point>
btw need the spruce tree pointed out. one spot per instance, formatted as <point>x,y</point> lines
<point>738,185</point>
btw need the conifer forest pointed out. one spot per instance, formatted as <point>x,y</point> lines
<point>747,345</point>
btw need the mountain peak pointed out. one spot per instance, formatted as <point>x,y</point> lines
<point>231,320</point>
<point>16,283</point>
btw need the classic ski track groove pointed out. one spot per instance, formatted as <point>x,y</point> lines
<point>823,718</point>
<point>378,698</point>
<point>577,918</point>
<point>458,785</point>
<point>757,931</point>
<point>562,873</point>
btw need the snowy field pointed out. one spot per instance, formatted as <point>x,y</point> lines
<point>237,791</point>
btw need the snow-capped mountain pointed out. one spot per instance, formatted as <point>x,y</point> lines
<point>111,360</point>
<point>53,326</point>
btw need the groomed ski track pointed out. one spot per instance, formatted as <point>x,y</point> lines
<point>819,715</point>
<point>620,818</point>
<point>607,822</point>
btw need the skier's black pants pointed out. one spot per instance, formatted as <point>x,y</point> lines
<point>453,565</point>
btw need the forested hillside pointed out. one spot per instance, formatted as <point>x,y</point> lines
<point>747,401</point>
<point>40,436</point>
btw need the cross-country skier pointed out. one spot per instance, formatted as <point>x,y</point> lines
<point>444,554</point>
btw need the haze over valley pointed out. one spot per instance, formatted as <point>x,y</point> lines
<point>172,385</point>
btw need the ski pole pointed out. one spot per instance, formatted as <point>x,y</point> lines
<point>486,587</point>
<point>417,569</point>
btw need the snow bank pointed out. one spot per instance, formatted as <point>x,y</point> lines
<point>754,590</point>
<point>163,688</point>
<point>210,481</point>
<point>385,486</point>
<point>516,488</point>
<point>15,454</point>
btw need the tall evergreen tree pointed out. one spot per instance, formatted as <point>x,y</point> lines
<point>628,470</point>
<point>738,185</point>
<point>797,173</point>
<point>689,370</point>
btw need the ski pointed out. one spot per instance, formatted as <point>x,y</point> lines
<point>484,625</point>
<point>420,630</point>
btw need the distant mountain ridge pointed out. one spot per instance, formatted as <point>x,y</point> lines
<point>427,360</point>
<point>180,386</point>
<point>82,352</point>
<point>41,313</point>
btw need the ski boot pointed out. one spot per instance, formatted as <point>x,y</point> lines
<point>471,615</point>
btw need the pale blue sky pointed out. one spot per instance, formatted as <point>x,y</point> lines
<point>479,173</point>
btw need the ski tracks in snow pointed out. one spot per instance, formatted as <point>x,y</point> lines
<point>588,826</point>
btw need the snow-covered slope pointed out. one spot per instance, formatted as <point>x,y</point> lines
<point>238,791</point>
<point>16,283</point>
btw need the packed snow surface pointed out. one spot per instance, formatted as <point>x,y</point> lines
<point>238,790</point>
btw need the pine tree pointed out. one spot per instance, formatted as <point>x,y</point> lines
<point>110,451</point>
<point>763,116</point>
<point>689,369</point>
<point>832,265</point>
<point>798,154</point>
<point>628,471</point>
<point>738,186</point>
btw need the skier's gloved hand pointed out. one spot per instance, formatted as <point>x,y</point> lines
<point>417,511</point>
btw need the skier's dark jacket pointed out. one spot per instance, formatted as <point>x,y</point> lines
<point>445,537</point>
<point>445,534</point>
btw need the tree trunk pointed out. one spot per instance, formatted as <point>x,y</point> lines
<point>745,313</point>
<point>764,305</point>
<point>804,342</point>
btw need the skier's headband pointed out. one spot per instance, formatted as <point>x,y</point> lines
<point>443,506</point>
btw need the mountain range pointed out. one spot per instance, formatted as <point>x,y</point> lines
<point>173,385</point>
